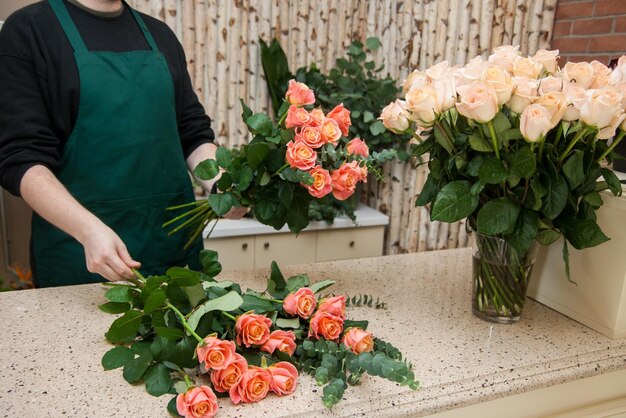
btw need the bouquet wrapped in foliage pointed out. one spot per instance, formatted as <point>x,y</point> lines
<point>305,156</point>
<point>186,333</point>
<point>516,145</point>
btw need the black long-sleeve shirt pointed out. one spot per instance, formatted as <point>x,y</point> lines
<point>39,85</point>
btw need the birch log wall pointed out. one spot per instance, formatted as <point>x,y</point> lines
<point>220,38</point>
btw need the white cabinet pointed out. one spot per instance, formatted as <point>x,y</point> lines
<point>246,243</point>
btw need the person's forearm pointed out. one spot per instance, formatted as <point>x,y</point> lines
<point>203,152</point>
<point>45,194</point>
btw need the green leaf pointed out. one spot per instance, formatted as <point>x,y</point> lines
<point>428,193</point>
<point>183,276</point>
<point>582,233</point>
<point>158,380</point>
<point>171,405</point>
<point>319,286</point>
<point>477,143</point>
<point>574,169</point>
<point>169,333</point>
<point>207,257</point>
<point>492,171</point>
<point>556,196</point>
<point>124,327</point>
<point>135,369</point>
<point>368,116</point>
<point>547,236</point>
<point>474,165</point>
<point>525,232</point>
<point>195,294</point>
<point>298,215</point>
<point>523,163</point>
<point>355,324</point>
<point>441,139</point>
<point>422,148</point>
<point>206,170</point>
<point>372,43</point>
<point>511,135</point>
<point>296,176</point>
<point>497,216</point>
<point>613,181</point>
<point>246,176</point>
<point>276,282</point>
<point>246,111</point>
<point>223,157</point>
<point>221,203</point>
<point>155,301</point>
<point>257,304</point>
<point>229,302</point>
<point>501,124</point>
<point>296,282</point>
<point>117,357</point>
<point>477,188</point>
<point>454,202</point>
<point>119,293</point>
<point>377,128</point>
<point>114,307</point>
<point>285,195</point>
<point>180,387</point>
<point>594,199</point>
<point>292,323</point>
<point>260,124</point>
<point>256,153</point>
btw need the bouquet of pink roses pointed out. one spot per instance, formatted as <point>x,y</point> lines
<point>306,156</point>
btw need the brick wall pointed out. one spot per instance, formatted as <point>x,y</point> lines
<point>590,30</point>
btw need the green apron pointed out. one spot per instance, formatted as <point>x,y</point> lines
<point>123,161</point>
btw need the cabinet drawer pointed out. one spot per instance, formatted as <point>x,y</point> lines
<point>349,243</point>
<point>234,253</point>
<point>284,249</point>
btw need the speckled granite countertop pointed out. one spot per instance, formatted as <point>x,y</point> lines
<point>53,339</point>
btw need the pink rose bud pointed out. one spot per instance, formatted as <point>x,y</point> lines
<point>358,340</point>
<point>253,386</point>
<point>299,94</point>
<point>325,324</point>
<point>345,179</point>
<point>215,353</point>
<point>297,116</point>
<point>284,341</point>
<point>284,378</point>
<point>322,183</point>
<point>229,376</point>
<point>330,131</point>
<point>301,303</point>
<point>197,402</point>
<point>300,155</point>
<point>358,147</point>
<point>341,115</point>
<point>252,329</point>
<point>310,135</point>
<point>335,305</point>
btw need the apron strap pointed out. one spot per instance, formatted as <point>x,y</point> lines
<point>144,29</point>
<point>68,25</point>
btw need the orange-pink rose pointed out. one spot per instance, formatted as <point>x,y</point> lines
<point>299,94</point>
<point>229,376</point>
<point>322,183</point>
<point>330,131</point>
<point>344,180</point>
<point>359,147</point>
<point>358,340</point>
<point>325,324</point>
<point>252,329</point>
<point>253,386</point>
<point>297,116</point>
<point>216,354</point>
<point>310,135</point>
<point>335,305</point>
<point>284,378</point>
<point>300,155</point>
<point>301,303</point>
<point>341,115</point>
<point>283,341</point>
<point>197,402</point>
<point>317,117</point>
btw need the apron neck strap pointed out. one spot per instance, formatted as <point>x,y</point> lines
<point>144,28</point>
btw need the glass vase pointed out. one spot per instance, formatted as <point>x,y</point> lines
<point>500,278</point>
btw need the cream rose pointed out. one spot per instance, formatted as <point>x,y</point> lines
<point>501,82</point>
<point>524,92</point>
<point>549,84</point>
<point>526,67</point>
<point>556,103</point>
<point>478,101</point>
<point>473,71</point>
<point>442,79</point>
<point>601,107</point>
<point>505,56</point>
<point>576,96</point>
<point>580,73</point>
<point>395,117</point>
<point>619,73</point>
<point>535,123</point>
<point>608,132</point>
<point>416,79</point>
<point>547,58</point>
<point>422,105</point>
<point>601,75</point>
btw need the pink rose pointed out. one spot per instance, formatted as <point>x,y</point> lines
<point>324,324</point>
<point>215,353</point>
<point>322,183</point>
<point>341,115</point>
<point>253,386</point>
<point>229,376</point>
<point>283,341</point>
<point>301,303</point>
<point>344,180</point>
<point>330,131</point>
<point>284,378</point>
<point>299,94</point>
<point>335,305</point>
<point>300,155</point>
<point>252,329</point>
<point>310,135</point>
<point>297,116</point>
<point>359,147</point>
<point>317,117</point>
<point>197,402</point>
<point>358,340</point>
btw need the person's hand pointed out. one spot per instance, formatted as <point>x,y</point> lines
<point>236,212</point>
<point>106,254</point>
